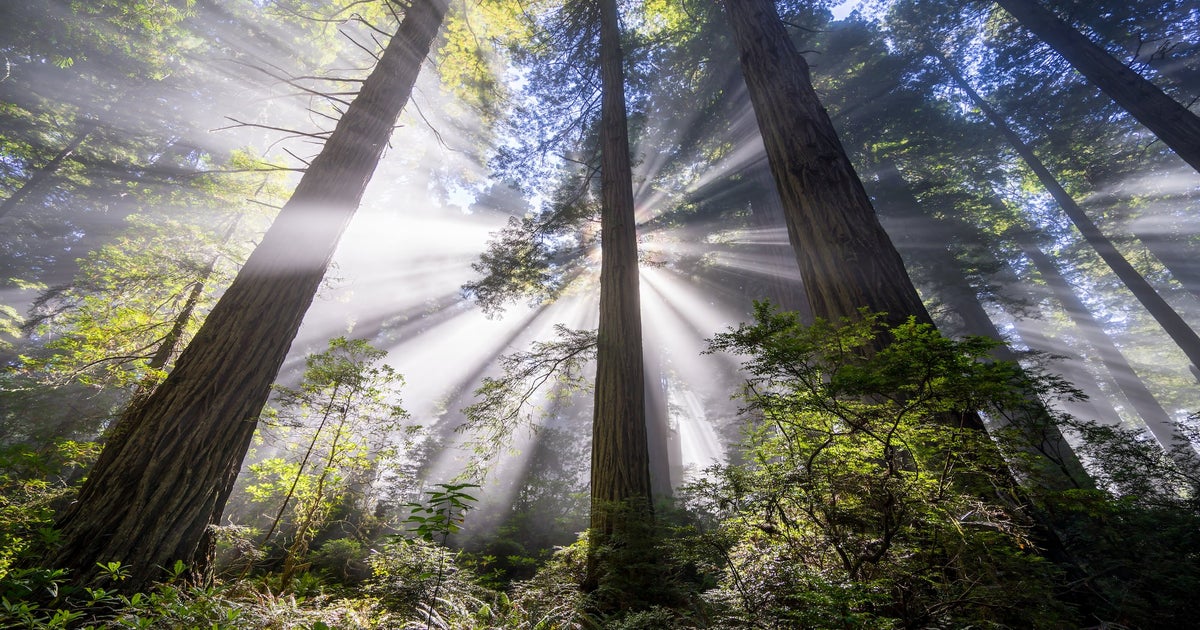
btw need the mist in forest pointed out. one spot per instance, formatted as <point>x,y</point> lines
<point>243,94</point>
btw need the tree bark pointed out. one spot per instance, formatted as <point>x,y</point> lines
<point>1166,316</point>
<point>154,499</point>
<point>1177,127</point>
<point>658,429</point>
<point>620,477</point>
<point>847,262</point>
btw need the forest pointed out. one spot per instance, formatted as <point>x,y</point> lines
<point>583,314</point>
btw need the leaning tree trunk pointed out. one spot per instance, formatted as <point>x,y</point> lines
<point>620,453</point>
<point>847,262</point>
<point>155,500</point>
<point>1177,127</point>
<point>1157,420</point>
<point>1166,316</point>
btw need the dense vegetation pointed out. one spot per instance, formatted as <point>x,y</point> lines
<point>960,239</point>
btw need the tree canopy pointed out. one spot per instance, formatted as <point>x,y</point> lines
<point>753,313</point>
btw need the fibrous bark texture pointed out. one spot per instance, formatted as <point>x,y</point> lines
<point>620,478</point>
<point>153,496</point>
<point>847,262</point>
<point>620,459</point>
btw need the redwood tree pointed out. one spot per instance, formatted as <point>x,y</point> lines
<point>847,261</point>
<point>1173,123</point>
<point>157,490</point>
<point>1167,317</point>
<point>620,456</point>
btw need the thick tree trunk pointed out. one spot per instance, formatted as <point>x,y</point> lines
<point>48,169</point>
<point>153,501</point>
<point>620,454</point>
<point>1177,127</point>
<point>847,262</point>
<point>1175,326</point>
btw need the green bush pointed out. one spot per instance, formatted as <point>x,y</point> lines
<point>862,501</point>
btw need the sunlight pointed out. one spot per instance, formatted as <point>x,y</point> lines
<point>425,455</point>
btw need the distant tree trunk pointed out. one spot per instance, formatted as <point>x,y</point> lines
<point>1144,403</point>
<point>1177,255</point>
<point>620,454</point>
<point>167,348</point>
<point>1058,466</point>
<point>171,341</point>
<point>153,500</point>
<point>1172,250</point>
<point>1099,405</point>
<point>658,429</point>
<point>847,262</point>
<point>1175,326</point>
<point>1177,127</point>
<point>48,169</point>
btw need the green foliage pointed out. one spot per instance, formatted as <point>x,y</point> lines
<point>344,558</point>
<point>340,424</point>
<point>861,501</point>
<point>442,513</point>
<point>104,328</point>
<point>419,578</point>
<point>552,370</point>
<point>1140,533</point>
<point>114,330</point>
<point>33,483</point>
<point>10,326</point>
<point>470,61</point>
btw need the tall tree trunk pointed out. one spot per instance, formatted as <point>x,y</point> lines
<point>1177,127</point>
<point>847,262</point>
<point>48,169</point>
<point>1177,255</point>
<point>658,427</point>
<point>1057,465</point>
<point>1157,420</point>
<point>1172,250</point>
<point>620,454</point>
<point>1179,331</point>
<point>152,501</point>
<point>1099,405</point>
